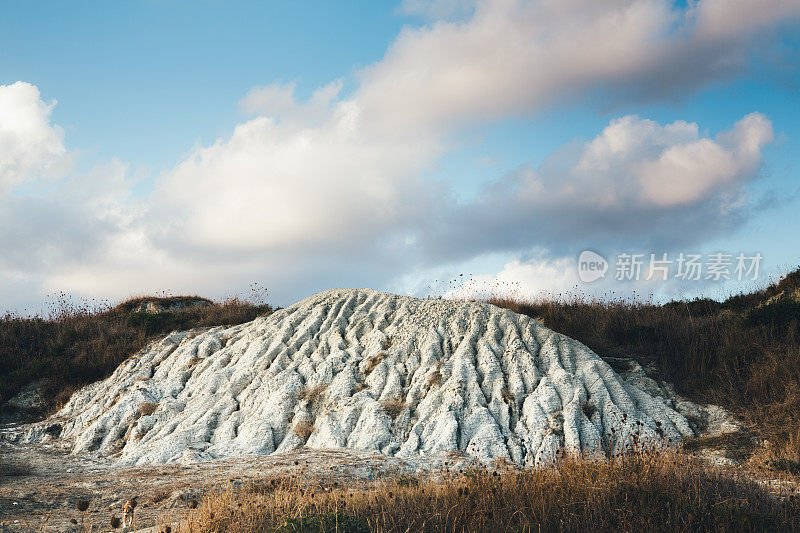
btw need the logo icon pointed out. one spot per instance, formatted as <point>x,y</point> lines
<point>591,266</point>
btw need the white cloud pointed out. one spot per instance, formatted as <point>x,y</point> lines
<point>637,181</point>
<point>671,165</point>
<point>278,101</point>
<point>728,19</point>
<point>328,186</point>
<point>30,147</point>
<point>51,218</point>
<point>690,172</point>
<point>543,277</point>
<point>517,56</point>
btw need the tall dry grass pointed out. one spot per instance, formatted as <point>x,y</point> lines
<point>645,492</point>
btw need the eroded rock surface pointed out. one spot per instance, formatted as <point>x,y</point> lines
<point>367,370</point>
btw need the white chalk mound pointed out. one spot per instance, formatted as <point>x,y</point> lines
<point>368,370</point>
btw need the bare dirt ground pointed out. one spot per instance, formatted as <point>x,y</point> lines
<point>40,484</point>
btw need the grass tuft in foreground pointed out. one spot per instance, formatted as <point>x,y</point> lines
<point>648,492</point>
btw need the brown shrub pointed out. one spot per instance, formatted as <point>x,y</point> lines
<point>394,406</point>
<point>312,395</point>
<point>158,495</point>
<point>507,396</point>
<point>373,362</point>
<point>62,395</point>
<point>304,429</point>
<point>147,408</point>
<point>434,378</point>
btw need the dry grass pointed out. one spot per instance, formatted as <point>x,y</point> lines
<point>507,396</point>
<point>739,353</point>
<point>304,429</point>
<point>394,406</point>
<point>77,345</point>
<point>313,395</point>
<point>434,379</point>
<point>639,492</point>
<point>373,362</point>
<point>159,494</point>
<point>147,408</point>
<point>193,361</point>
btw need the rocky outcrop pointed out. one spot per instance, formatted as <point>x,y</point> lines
<point>152,304</point>
<point>28,404</point>
<point>368,370</point>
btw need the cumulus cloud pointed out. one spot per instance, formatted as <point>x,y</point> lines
<point>30,147</point>
<point>328,187</point>
<point>278,101</point>
<point>518,56</point>
<point>50,217</point>
<point>637,182</point>
<point>543,276</point>
<point>690,172</point>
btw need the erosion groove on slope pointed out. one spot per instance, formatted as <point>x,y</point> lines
<point>368,370</point>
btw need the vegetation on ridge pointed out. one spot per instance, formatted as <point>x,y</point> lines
<point>77,345</point>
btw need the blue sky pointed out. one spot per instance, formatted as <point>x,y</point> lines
<point>122,70</point>
<point>186,150</point>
